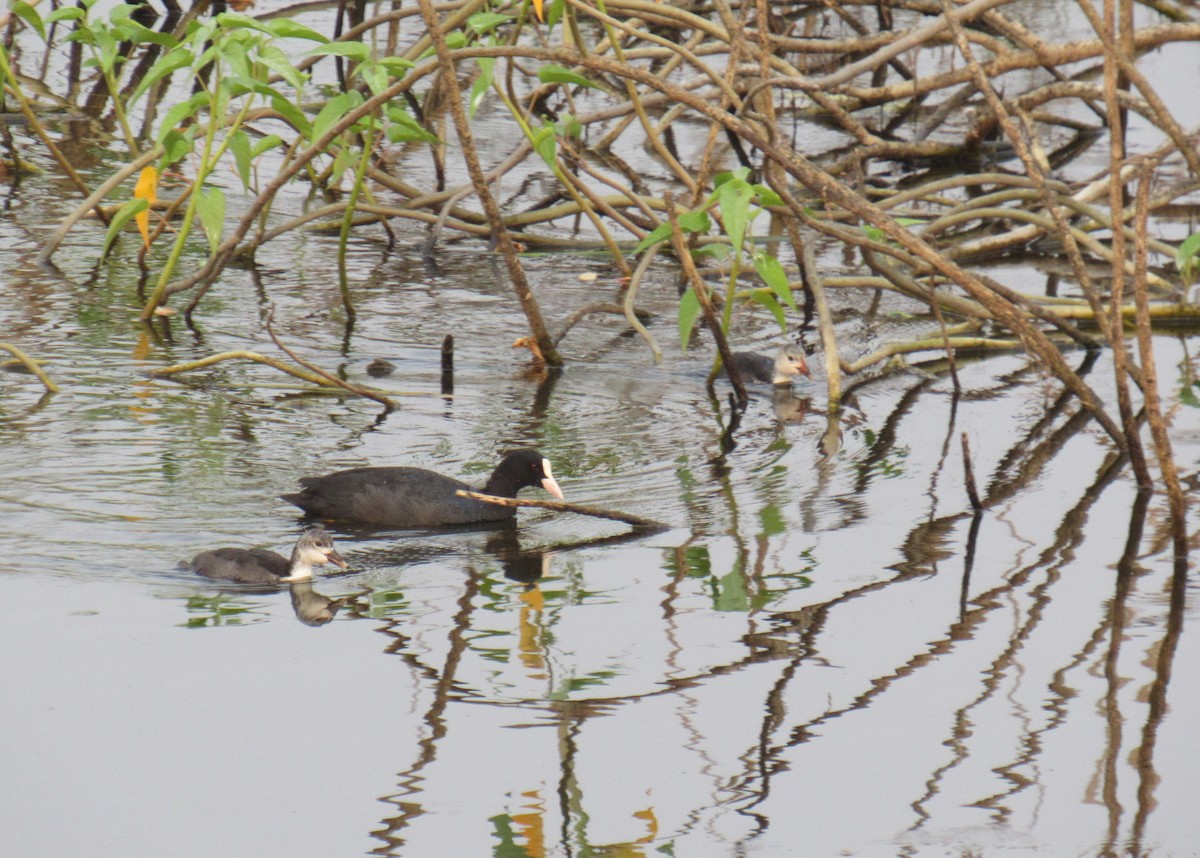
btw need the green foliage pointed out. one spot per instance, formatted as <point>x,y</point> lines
<point>1187,259</point>
<point>545,143</point>
<point>211,206</point>
<point>483,83</point>
<point>558,74</point>
<point>876,234</point>
<point>405,129</point>
<point>483,23</point>
<point>120,220</point>
<point>689,309</point>
<point>29,15</point>
<point>737,203</point>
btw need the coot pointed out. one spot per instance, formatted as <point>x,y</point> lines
<point>379,368</point>
<point>414,497</point>
<point>259,566</point>
<point>787,364</point>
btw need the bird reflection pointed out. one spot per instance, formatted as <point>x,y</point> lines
<point>523,565</point>
<point>313,608</point>
<point>789,408</point>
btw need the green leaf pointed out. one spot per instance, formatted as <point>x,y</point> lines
<point>734,198</point>
<point>768,301</point>
<point>236,85</point>
<point>236,20</point>
<point>739,174</point>
<point>279,62</point>
<point>293,115</point>
<point>210,205</point>
<point>546,144</point>
<point>874,233</point>
<point>483,82</point>
<point>691,221</point>
<point>695,221</point>
<point>1187,395</point>
<point>341,161</point>
<point>375,75</point>
<point>356,51</point>
<point>397,66</point>
<point>405,129</point>
<point>766,196</point>
<point>169,62</point>
<point>269,142</point>
<point>568,125</point>
<point>662,232</point>
<point>239,145</point>
<point>1188,249</point>
<point>689,309</point>
<point>716,251</point>
<point>180,112</point>
<point>286,28</point>
<point>236,60</point>
<point>29,15</point>
<point>772,273</point>
<point>65,13</point>
<point>484,22</point>
<point>132,31</point>
<point>178,146</point>
<point>558,74</point>
<point>123,216</point>
<point>334,110</point>
<point>107,46</point>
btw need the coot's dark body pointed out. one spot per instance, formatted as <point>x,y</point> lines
<point>241,565</point>
<point>415,497</point>
<point>788,363</point>
<point>260,566</point>
<point>754,367</point>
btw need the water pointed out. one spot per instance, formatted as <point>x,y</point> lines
<point>823,653</point>
<point>805,655</point>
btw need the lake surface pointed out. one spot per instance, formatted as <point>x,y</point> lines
<point>825,652</point>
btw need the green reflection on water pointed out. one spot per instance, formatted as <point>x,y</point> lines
<point>223,610</point>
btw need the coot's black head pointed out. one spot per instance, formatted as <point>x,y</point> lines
<point>520,469</point>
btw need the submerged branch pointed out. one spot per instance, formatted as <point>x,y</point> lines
<point>30,364</point>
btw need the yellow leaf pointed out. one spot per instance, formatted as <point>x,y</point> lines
<point>145,188</point>
<point>537,7</point>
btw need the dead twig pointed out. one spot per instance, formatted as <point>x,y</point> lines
<point>329,379</point>
<point>31,365</point>
<point>692,276</point>
<point>560,506</point>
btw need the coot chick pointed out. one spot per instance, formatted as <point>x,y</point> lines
<point>415,497</point>
<point>787,364</point>
<point>379,368</point>
<point>259,566</point>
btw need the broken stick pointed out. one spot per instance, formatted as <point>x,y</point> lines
<point>560,506</point>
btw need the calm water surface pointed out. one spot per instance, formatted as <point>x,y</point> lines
<point>824,653</point>
<point>815,652</point>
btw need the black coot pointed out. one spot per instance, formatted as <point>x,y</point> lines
<point>414,497</point>
<point>787,364</point>
<point>259,566</point>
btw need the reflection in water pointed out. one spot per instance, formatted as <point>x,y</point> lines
<point>788,407</point>
<point>794,643</point>
<point>223,609</point>
<point>313,608</point>
<point>713,690</point>
<point>523,566</point>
